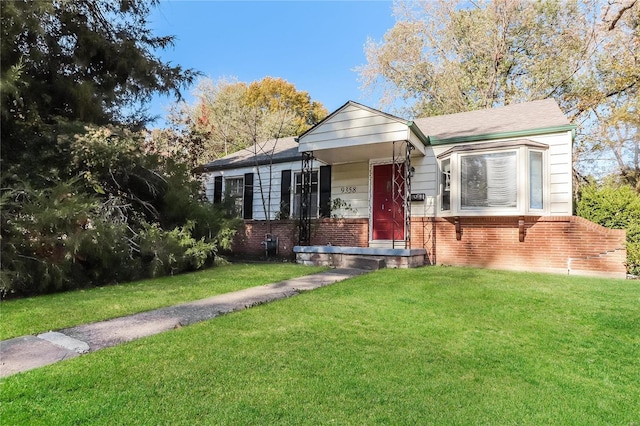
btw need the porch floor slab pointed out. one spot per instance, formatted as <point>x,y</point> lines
<point>372,258</point>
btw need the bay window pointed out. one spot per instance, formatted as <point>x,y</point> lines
<point>488,180</point>
<point>497,178</point>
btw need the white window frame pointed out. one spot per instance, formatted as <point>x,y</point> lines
<point>544,173</point>
<point>238,196</point>
<point>315,191</point>
<point>523,188</point>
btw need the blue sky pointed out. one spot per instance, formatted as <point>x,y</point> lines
<point>314,45</point>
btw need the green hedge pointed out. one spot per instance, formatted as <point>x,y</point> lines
<point>616,207</point>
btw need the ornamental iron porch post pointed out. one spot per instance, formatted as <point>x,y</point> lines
<point>402,173</point>
<point>304,221</point>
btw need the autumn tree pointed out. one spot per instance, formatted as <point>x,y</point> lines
<point>232,115</point>
<point>275,95</point>
<point>456,56</point>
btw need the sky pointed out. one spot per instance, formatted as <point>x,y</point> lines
<point>314,45</point>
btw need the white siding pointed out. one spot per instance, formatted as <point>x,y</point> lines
<point>264,183</point>
<point>560,172</point>
<point>208,185</point>
<point>268,184</point>
<point>425,180</point>
<point>350,183</point>
<point>354,126</point>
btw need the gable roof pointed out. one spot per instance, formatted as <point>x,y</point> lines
<point>511,121</point>
<point>526,118</point>
<point>273,151</point>
<point>356,132</point>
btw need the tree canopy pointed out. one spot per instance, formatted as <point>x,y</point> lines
<point>82,203</point>
<point>83,60</point>
<point>76,61</point>
<point>611,101</point>
<point>445,57</point>
<point>229,115</point>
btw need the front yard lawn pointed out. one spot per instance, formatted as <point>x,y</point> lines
<point>433,345</point>
<point>36,315</point>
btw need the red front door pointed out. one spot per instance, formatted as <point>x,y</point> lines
<point>388,220</point>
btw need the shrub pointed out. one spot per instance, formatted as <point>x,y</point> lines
<point>60,238</point>
<point>127,214</point>
<point>616,207</point>
<point>170,252</point>
<point>54,239</point>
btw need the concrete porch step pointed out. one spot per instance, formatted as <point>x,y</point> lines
<point>364,262</point>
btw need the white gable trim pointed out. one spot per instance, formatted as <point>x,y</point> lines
<point>355,125</point>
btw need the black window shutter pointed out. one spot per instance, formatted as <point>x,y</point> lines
<point>285,194</point>
<point>217,190</point>
<point>325,191</point>
<point>248,196</point>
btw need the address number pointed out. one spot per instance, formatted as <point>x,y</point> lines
<point>348,189</point>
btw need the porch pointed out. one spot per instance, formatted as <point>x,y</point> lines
<point>368,155</point>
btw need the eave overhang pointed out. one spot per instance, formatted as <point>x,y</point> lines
<point>503,135</point>
<point>492,146</point>
<point>250,162</point>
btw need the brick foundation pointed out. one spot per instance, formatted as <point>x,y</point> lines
<point>558,244</point>
<point>563,244</point>
<point>337,232</point>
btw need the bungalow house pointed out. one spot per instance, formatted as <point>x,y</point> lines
<point>489,188</point>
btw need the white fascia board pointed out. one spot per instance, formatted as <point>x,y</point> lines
<point>416,142</point>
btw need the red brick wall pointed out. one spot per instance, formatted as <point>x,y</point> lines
<point>337,232</point>
<point>560,244</point>
<point>551,244</point>
<point>249,240</point>
<point>341,232</point>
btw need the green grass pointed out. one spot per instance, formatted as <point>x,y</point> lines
<point>35,315</point>
<point>445,346</point>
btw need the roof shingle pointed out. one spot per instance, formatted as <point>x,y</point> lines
<point>511,118</point>
<point>275,150</point>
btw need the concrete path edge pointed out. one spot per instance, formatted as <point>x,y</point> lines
<point>28,352</point>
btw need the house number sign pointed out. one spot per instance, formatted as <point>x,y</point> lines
<point>348,189</point>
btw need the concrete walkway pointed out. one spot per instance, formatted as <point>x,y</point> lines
<point>28,352</point>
